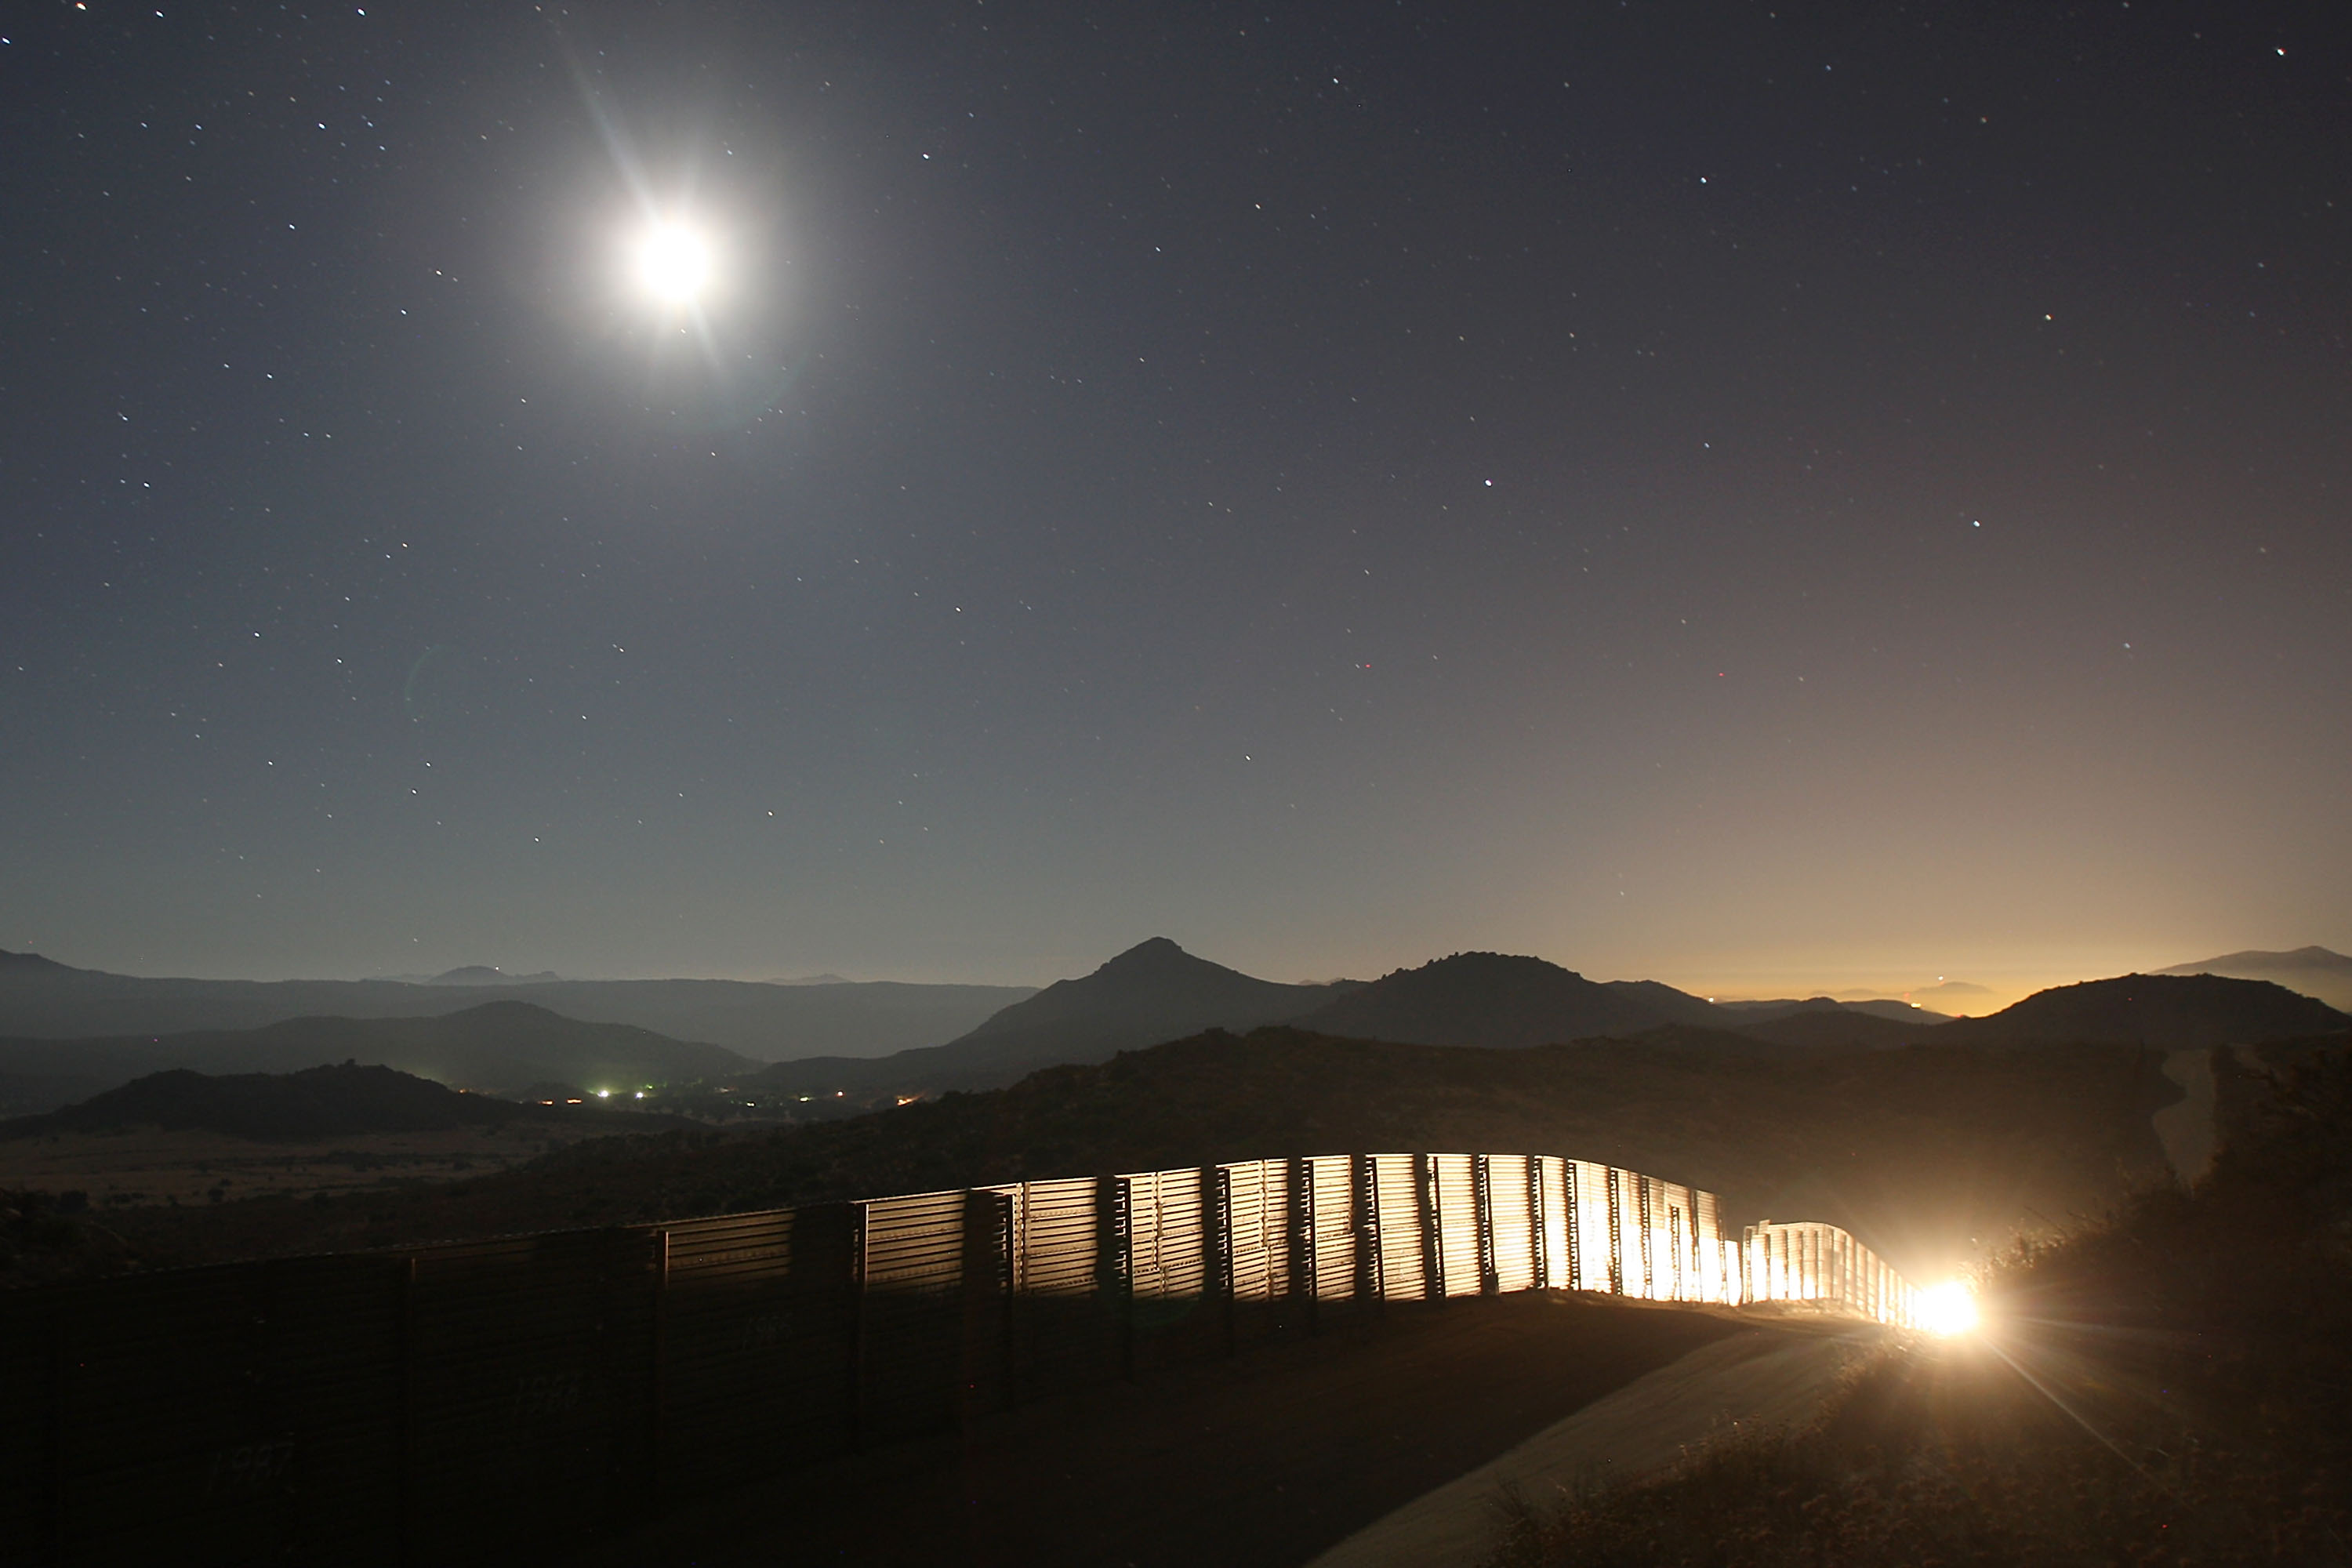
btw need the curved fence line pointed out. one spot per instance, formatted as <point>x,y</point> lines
<point>480,1401</point>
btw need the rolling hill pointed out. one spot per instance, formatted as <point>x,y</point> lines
<point>316,1102</point>
<point>2167,1012</point>
<point>2313,971</point>
<point>498,1046</point>
<point>40,998</point>
<point>1500,999</point>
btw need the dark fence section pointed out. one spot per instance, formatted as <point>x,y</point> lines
<point>474,1403</point>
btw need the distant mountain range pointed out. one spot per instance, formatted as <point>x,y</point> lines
<point>1151,993</point>
<point>42,999</point>
<point>1156,991</point>
<point>2314,971</point>
<point>496,1046</point>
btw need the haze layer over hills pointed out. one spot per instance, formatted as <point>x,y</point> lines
<point>47,1000</point>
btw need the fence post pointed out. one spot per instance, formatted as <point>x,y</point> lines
<point>1306,1273</point>
<point>1641,1206</point>
<point>403,1455</point>
<point>1432,1233</point>
<point>1538,1227</point>
<point>1482,1192</point>
<point>1572,1196</point>
<point>657,1391</point>
<point>55,1439</point>
<point>1217,1243</point>
<point>1115,1265</point>
<point>856,1284</point>
<point>986,1265</point>
<point>1616,1234</point>
<point>1012,1246</point>
<point>1371,1273</point>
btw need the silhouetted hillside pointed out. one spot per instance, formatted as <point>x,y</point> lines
<point>45,1000</point>
<point>1154,992</point>
<point>1917,1149</point>
<point>2313,971</point>
<point>317,1102</point>
<point>2169,1012</point>
<point>493,1045</point>
<point>1496,999</point>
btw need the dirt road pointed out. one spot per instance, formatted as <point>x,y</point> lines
<point>1777,1374</point>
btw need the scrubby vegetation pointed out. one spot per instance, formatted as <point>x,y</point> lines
<point>2169,1387</point>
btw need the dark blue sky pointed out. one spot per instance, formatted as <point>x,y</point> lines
<point>1755,496</point>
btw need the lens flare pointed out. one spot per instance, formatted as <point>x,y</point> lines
<point>673,263</point>
<point>1948,1309</point>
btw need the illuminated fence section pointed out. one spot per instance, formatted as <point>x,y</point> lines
<point>390,1408</point>
<point>1806,1260</point>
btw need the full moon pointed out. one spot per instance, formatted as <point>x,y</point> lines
<point>673,263</point>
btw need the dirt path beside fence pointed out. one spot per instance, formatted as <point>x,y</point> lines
<point>1772,1375</point>
<point>1269,1458</point>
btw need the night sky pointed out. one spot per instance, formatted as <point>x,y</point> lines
<point>1762,500</point>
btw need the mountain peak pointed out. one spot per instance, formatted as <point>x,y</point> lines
<point>1152,953</point>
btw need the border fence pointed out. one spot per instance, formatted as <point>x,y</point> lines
<point>478,1402</point>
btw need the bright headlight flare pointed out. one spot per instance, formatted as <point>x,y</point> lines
<point>1948,1309</point>
<point>673,263</point>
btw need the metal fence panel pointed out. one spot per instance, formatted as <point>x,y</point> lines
<point>1706,1217</point>
<point>1403,1271</point>
<point>1671,1238</point>
<point>1594,1209</point>
<point>1559,1259</point>
<point>1256,1261</point>
<point>1168,1248</point>
<point>1335,1227</point>
<point>1064,1329</point>
<point>528,1367</point>
<point>911,1329</point>
<point>227,1415</point>
<point>758,1331</point>
<point>1510,1213</point>
<point>1457,1220</point>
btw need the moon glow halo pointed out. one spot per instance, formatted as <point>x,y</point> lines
<point>673,264</point>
